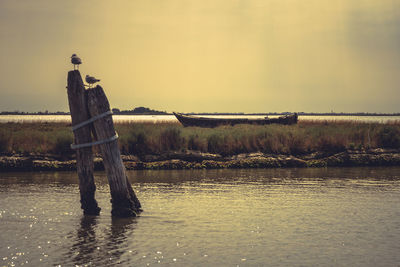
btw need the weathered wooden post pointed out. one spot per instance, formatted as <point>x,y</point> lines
<point>123,198</point>
<point>77,99</point>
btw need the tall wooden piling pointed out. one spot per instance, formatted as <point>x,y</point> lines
<point>77,99</point>
<point>123,198</point>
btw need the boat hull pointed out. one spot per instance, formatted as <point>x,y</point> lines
<point>188,120</point>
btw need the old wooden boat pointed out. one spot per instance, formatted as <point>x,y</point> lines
<point>188,120</point>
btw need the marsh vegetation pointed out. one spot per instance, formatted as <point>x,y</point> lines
<point>155,138</point>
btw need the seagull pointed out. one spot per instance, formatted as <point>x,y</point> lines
<point>91,80</point>
<point>76,61</point>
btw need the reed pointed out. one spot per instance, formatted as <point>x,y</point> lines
<point>35,137</point>
<point>155,138</point>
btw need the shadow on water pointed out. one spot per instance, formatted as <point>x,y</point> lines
<point>264,176</point>
<point>86,243</point>
<point>96,242</point>
<point>118,235</point>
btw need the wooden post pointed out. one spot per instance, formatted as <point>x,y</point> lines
<point>77,99</point>
<point>123,198</point>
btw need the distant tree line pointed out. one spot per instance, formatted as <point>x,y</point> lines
<point>347,114</point>
<point>148,111</point>
<point>139,111</point>
<point>135,111</point>
<point>299,113</point>
<point>33,113</point>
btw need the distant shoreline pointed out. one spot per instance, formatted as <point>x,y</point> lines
<point>160,113</point>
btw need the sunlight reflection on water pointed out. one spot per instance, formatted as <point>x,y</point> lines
<point>278,217</point>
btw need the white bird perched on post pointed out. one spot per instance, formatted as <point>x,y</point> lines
<point>76,61</point>
<point>91,80</point>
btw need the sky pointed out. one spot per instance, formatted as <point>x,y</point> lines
<point>205,56</point>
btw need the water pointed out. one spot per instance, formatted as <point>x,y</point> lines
<point>171,118</point>
<point>272,217</point>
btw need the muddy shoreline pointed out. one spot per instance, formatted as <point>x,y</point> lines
<point>198,160</point>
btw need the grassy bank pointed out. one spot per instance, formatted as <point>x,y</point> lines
<point>148,138</point>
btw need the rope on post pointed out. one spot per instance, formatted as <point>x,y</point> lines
<point>112,138</point>
<point>79,125</point>
<point>84,123</point>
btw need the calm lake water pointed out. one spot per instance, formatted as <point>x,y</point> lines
<point>171,118</point>
<point>263,217</point>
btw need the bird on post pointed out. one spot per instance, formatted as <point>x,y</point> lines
<point>91,80</point>
<point>76,61</point>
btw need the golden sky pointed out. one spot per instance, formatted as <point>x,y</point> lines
<point>205,56</point>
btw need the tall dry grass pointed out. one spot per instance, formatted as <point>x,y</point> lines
<point>35,138</point>
<point>155,138</point>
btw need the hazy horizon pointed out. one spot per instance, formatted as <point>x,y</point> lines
<point>250,56</point>
<point>52,112</point>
